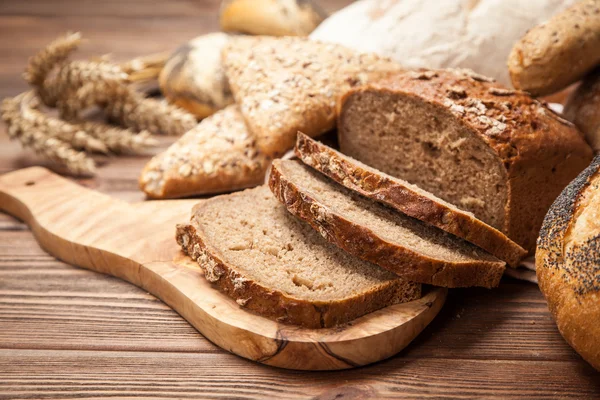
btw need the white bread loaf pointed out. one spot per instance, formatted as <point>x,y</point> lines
<point>475,34</point>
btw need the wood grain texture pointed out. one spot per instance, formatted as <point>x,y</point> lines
<point>493,344</point>
<point>135,242</point>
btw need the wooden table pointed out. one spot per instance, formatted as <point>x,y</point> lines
<point>68,332</point>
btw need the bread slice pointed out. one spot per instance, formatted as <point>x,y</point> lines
<point>416,251</point>
<point>406,198</point>
<point>283,85</point>
<point>490,150</point>
<point>252,249</point>
<point>217,156</point>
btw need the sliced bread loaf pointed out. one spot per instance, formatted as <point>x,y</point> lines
<point>255,251</point>
<point>495,152</point>
<point>407,198</point>
<point>414,250</point>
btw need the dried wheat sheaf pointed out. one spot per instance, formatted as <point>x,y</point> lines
<point>75,87</point>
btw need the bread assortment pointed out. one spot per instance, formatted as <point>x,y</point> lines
<point>270,17</point>
<point>568,263</point>
<point>493,151</point>
<point>406,198</point>
<point>559,52</point>
<point>437,34</point>
<point>583,108</point>
<point>286,85</point>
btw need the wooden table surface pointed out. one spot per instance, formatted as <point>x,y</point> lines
<point>70,333</point>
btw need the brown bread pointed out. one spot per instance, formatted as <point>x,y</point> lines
<point>415,251</point>
<point>489,150</point>
<point>253,250</point>
<point>406,198</point>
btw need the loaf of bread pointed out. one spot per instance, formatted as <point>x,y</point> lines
<point>193,78</point>
<point>559,52</point>
<point>489,150</point>
<point>568,263</point>
<point>439,34</point>
<point>583,108</point>
<point>252,249</point>
<point>366,229</point>
<point>406,198</point>
<point>270,17</point>
<point>218,155</point>
<point>284,85</point>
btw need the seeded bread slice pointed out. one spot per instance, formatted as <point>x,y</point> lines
<point>406,198</point>
<point>219,155</point>
<point>284,85</point>
<point>270,262</point>
<point>415,251</point>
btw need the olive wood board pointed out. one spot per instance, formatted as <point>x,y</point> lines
<point>136,242</point>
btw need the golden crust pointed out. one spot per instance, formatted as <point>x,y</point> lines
<point>559,52</point>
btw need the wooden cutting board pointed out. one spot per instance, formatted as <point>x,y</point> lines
<point>136,242</point>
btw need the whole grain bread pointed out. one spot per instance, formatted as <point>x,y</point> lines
<point>256,252</point>
<point>218,155</point>
<point>406,198</point>
<point>415,251</point>
<point>284,85</point>
<point>568,263</point>
<point>493,151</point>
<point>558,52</point>
<point>583,108</point>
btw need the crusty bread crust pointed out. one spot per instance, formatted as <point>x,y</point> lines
<point>404,197</point>
<point>541,152</point>
<point>362,242</point>
<point>559,52</point>
<point>275,304</point>
<point>570,281</point>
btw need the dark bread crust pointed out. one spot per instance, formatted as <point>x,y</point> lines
<point>361,242</point>
<point>570,281</point>
<point>277,305</point>
<point>397,194</point>
<point>540,151</point>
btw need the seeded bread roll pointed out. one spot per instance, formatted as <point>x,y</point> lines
<point>410,248</point>
<point>559,52</point>
<point>406,198</point>
<point>270,17</point>
<point>252,249</point>
<point>568,263</point>
<point>489,150</point>
<point>583,108</point>
<point>284,85</point>
<point>218,155</point>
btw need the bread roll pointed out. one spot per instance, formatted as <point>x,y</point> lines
<point>270,17</point>
<point>568,263</point>
<point>192,77</point>
<point>555,54</point>
<point>439,34</point>
<point>583,109</point>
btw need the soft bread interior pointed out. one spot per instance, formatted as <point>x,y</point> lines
<point>426,145</point>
